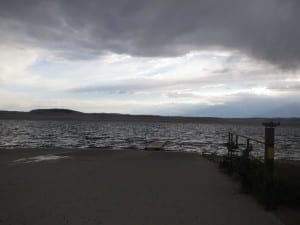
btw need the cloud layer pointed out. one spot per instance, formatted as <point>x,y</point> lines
<point>265,29</point>
<point>232,58</point>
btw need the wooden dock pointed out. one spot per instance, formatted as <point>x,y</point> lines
<point>156,145</point>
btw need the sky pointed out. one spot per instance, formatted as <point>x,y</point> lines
<point>231,58</point>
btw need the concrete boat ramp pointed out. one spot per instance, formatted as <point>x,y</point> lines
<point>125,187</point>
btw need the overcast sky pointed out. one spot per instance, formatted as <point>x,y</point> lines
<point>230,58</point>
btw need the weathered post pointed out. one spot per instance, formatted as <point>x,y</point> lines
<point>269,164</point>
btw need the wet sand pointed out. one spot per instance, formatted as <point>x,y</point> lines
<point>121,187</point>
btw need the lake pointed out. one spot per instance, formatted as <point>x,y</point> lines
<point>196,137</point>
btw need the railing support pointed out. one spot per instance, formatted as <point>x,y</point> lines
<point>245,166</point>
<point>269,164</point>
<point>228,145</point>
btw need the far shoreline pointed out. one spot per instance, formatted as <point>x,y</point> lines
<point>70,115</point>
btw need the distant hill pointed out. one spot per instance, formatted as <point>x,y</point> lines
<point>67,114</point>
<point>54,111</point>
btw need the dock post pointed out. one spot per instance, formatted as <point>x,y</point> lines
<point>269,164</point>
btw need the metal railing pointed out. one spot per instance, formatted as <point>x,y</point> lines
<point>233,144</point>
<point>240,160</point>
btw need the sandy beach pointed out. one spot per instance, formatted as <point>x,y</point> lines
<point>111,187</point>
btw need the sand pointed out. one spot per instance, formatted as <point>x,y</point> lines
<point>93,187</point>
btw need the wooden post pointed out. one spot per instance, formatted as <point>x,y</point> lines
<point>269,164</point>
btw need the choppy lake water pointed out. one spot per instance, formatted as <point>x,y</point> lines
<point>196,137</point>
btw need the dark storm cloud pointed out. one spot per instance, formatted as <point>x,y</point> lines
<point>265,29</point>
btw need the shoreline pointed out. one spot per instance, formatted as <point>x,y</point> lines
<point>211,156</point>
<point>70,115</point>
